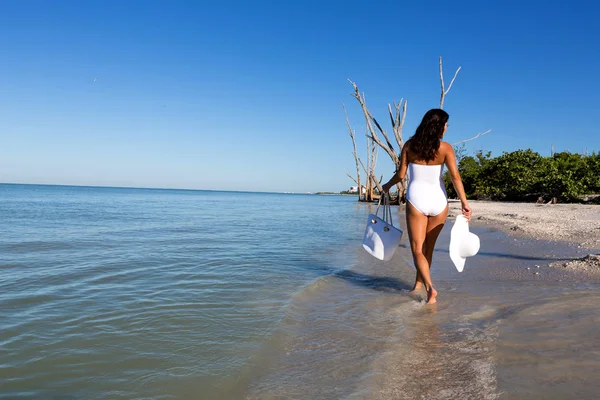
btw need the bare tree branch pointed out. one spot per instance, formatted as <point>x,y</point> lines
<point>444,90</point>
<point>370,120</point>
<point>393,117</point>
<point>364,169</point>
<point>356,157</point>
<point>473,138</point>
<point>398,120</point>
<point>366,113</point>
<point>403,116</point>
<point>383,132</point>
<point>442,84</point>
<point>452,81</point>
<point>376,182</point>
<point>375,157</point>
<point>351,177</point>
<point>374,129</point>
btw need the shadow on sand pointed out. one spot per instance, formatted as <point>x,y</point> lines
<point>512,256</point>
<point>380,283</point>
<point>501,255</point>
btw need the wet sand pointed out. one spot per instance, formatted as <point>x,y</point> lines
<point>508,327</point>
<point>518,323</point>
<point>573,223</point>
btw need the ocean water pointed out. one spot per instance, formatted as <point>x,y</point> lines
<point>110,293</point>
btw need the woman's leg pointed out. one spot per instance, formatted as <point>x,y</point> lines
<point>418,282</point>
<point>409,212</point>
<point>435,225</point>
<point>417,230</point>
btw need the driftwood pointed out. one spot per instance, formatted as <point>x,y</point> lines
<point>374,130</point>
<point>444,90</point>
<point>540,200</point>
<point>473,138</point>
<point>443,96</point>
<point>369,169</point>
<point>352,134</point>
<point>378,136</point>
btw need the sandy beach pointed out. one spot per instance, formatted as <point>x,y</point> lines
<point>574,223</point>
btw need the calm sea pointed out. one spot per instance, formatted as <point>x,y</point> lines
<point>111,293</point>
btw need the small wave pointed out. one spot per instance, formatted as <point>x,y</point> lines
<point>35,246</point>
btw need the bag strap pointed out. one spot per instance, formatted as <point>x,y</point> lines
<point>387,209</point>
<point>379,205</point>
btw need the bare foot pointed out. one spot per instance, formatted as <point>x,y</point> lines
<point>417,288</point>
<point>431,295</point>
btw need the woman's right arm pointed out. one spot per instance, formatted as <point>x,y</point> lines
<point>400,173</point>
<point>450,161</point>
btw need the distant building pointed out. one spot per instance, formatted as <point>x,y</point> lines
<point>354,189</point>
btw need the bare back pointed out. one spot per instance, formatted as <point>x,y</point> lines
<point>444,155</point>
<point>440,156</point>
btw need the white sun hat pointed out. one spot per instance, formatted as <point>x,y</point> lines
<point>463,243</point>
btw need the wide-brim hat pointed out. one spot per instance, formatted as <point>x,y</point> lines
<point>463,243</point>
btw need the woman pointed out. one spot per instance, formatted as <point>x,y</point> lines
<point>424,156</point>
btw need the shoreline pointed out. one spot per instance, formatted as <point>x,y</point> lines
<point>574,223</point>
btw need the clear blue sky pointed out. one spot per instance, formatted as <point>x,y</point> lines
<point>247,95</point>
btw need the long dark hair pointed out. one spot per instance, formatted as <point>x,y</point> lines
<point>426,140</point>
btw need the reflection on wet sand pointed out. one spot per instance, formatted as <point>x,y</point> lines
<point>496,333</point>
<point>436,359</point>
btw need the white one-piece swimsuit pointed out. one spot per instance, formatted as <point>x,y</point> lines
<point>426,191</point>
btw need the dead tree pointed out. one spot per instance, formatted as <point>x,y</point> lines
<point>374,130</point>
<point>443,96</point>
<point>369,169</point>
<point>397,117</point>
<point>352,134</point>
<point>444,90</point>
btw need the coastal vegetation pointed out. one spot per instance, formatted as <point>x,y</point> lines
<point>525,175</point>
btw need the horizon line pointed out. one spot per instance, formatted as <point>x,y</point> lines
<point>149,188</point>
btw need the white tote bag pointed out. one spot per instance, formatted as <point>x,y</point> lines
<point>382,238</point>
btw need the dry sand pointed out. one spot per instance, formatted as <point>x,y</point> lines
<point>567,222</point>
<point>576,223</point>
<point>589,263</point>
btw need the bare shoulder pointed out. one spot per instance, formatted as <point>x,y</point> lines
<point>446,152</point>
<point>406,147</point>
<point>446,148</point>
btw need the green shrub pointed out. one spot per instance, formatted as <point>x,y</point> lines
<point>526,175</point>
